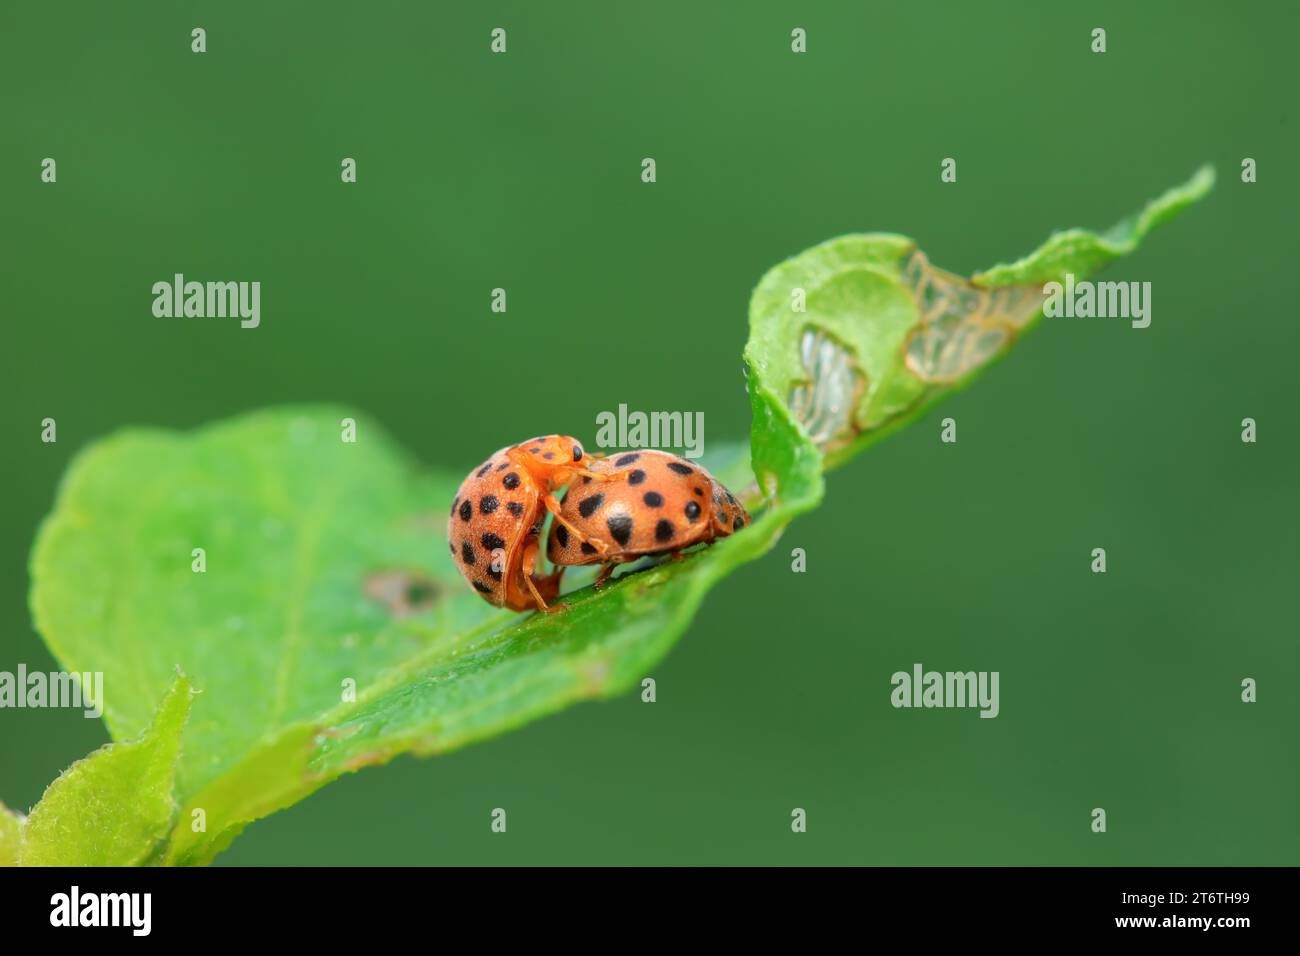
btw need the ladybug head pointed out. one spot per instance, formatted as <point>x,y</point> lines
<point>552,459</point>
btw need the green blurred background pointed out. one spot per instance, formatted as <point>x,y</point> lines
<point>523,171</point>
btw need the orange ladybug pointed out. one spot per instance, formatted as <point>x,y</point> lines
<point>661,504</point>
<point>497,514</point>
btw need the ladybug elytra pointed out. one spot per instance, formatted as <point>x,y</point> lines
<point>659,504</point>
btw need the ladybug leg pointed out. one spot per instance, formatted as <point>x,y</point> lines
<point>605,571</point>
<point>677,556</point>
<point>551,581</point>
<point>541,602</point>
<point>553,506</point>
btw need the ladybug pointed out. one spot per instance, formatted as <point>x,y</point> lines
<point>661,505</point>
<point>496,519</point>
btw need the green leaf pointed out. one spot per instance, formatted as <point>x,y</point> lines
<point>860,335</point>
<point>326,564</point>
<point>325,561</point>
<point>10,828</point>
<point>113,807</point>
<point>319,558</point>
<point>482,683</point>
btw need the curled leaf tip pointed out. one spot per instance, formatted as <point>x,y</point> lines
<point>1082,252</point>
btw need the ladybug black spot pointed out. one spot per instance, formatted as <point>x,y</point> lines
<point>466,510</point>
<point>494,574</point>
<point>511,481</point>
<point>692,511</point>
<point>467,552</point>
<point>534,451</point>
<point>620,526</point>
<point>577,453</point>
<point>487,504</point>
<point>731,499</point>
<point>626,459</point>
<point>454,502</point>
<point>549,455</point>
<point>588,548</point>
<point>681,469</point>
<point>587,506</point>
<point>562,535</point>
<point>700,492</point>
<point>484,470</point>
<point>451,547</point>
<point>738,523</point>
<point>653,499</point>
<point>504,465</point>
<point>586,479</point>
<point>514,507</point>
<point>664,530</point>
<point>636,477</point>
<point>482,588</point>
<point>492,541</point>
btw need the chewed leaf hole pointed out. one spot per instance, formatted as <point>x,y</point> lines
<point>404,593</point>
<point>961,325</point>
<point>825,402</point>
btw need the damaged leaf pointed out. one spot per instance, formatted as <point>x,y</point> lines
<point>325,626</point>
<point>861,334</point>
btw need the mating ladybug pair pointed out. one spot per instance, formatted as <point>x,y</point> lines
<point>615,510</point>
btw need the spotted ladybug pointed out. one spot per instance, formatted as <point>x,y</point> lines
<point>661,504</point>
<point>497,514</point>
